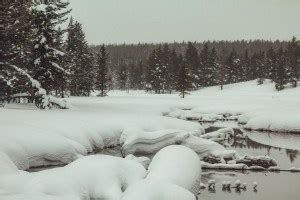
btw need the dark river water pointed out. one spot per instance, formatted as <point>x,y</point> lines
<point>283,147</point>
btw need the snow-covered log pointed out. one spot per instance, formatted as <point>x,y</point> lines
<point>257,161</point>
<point>221,134</point>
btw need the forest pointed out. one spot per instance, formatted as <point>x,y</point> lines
<point>45,54</point>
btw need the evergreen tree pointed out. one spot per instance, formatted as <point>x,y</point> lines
<point>270,63</point>
<point>206,70</point>
<point>233,68</point>
<point>192,62</point>
<point>136,76</point>
<point>102,77</point>
<point>184,84</point>
<point>246,67</point>
<point>212,68</point>
<point>155,71</point>
<point>123,77</point>
<point>294,58</point>
<point>80,61</point>
<point>259,66</point>
<point>281,77</point>
<point>173,70</point>
<point>45,55</point>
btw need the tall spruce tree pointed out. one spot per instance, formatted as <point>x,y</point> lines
<point>80,61</point>
<point>184,80</point>
<point>281,76</point>
<point>294,58</point>
<point>45,56</point>
<point>233,68</point>
<point>102,77</point>
<point>192,61</point>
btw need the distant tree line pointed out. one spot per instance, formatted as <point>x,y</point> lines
<point>164,68</point>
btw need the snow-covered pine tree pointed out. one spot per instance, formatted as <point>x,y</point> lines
<point>192,61</point>
<point>282,66</point>
<point>80,61</point>
<point>246,66</point>
<point>259,65</point>
<point>46,57</point>
<point>212,69</point>
<point>102,77</point>
<point>155,77</point>
<point>205,67</point>
<point>270,64</point>
<point>184,78</point>
<point>294,58</point>
<point>166,69</point>
<point>174,68</point>
<point>233,68</point>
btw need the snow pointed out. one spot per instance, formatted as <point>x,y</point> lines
<point>152,190</point>
<point>177,165</point>
<point>91,177</point>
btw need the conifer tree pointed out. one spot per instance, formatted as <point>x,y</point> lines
<point>212,69</point>
<point>102,77</point>
<point>184,84</point>
<point>45,56</point>
<point>80,61</point>
<point>233,68</point>
<point>281,77</point>
<point>271,62</point>
<point>206,70</point>
<point>192,62</point>
<point>294,58</point>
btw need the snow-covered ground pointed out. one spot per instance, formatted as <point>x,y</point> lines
<point>32,137</point>
<point>140,123</point>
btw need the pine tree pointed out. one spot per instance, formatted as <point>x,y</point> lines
<point>174,68</point>
<point>212,69</point>
<point>80,61</point>
<point>246,67</point>
<point>233,68</point>
<point>155,71</point>
<point>294,59</point>
<point>184,84</point>
<point>123,77</point>
<point>281,77</point>
<point>192,61</point>
<point>45,55</point>
<point>259,65</point>
<point>102,72</point>
<point>270,63</point>
<point>136,76</point>
<point>206,71</point>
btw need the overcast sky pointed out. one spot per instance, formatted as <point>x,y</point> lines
<point>133,21</point>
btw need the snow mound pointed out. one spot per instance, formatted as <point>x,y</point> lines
<point>91,177</point>
<point>205,147</point>
<point>177,165</point>
<point>139,141</point>
<point>152,190</point>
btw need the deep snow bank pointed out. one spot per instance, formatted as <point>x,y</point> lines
<point>91,177</point>
<point>174,173</point>
<point>178,165</point>
<point>33,138</point>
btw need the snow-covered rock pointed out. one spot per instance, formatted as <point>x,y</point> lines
<point>221,134</point>
<point>177,165</point>
<point>206,147</point>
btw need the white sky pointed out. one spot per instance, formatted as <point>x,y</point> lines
<point>133,21</point>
